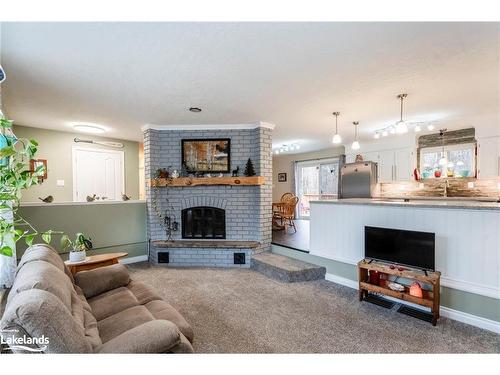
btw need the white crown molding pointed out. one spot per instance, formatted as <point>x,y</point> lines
<point>460,316</point>
<point>255,125</point>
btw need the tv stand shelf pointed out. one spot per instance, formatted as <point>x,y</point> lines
<point>430,298</point>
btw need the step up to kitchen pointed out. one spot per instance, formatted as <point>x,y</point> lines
<point>286,269</point>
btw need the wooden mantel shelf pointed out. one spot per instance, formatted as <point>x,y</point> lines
<point>200,181</point>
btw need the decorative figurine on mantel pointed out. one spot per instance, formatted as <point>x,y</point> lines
<point>48,199</point>
<point>236,172</point>
<point>249,169</point>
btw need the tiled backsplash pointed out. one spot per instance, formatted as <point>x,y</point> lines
<point>446,187</point>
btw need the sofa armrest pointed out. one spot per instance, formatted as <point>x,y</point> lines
<point>102,279</point>
<point>155,336</point>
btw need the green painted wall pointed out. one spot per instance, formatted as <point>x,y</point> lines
<point>113,227</point>
<point>470,303</point>
<point>56,148</point>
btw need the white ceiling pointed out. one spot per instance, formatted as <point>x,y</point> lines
<point>125,75</point>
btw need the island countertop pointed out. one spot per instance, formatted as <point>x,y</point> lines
<point>416,202</point>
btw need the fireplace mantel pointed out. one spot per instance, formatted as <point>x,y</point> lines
<point>203,181</point>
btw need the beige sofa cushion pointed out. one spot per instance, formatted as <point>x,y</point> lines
<point>162,310</point>
<point>41,252</point>
<point>45,253</point>
<point>112,302</point>
<point>101,280</point>
<point>155,336</point>
<point>38,313</point>
<point>116,324</point>
<point>45,276</point>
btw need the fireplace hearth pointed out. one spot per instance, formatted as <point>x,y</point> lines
<point>203,223</point>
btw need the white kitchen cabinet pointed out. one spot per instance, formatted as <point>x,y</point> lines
<point>350,158</point>
<point>386,162</point>
<point>404,164</point>
<point>393,165</point>
<point>488,157</point>
<point>370,156</point>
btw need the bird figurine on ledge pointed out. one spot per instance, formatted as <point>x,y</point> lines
<point>47,199</point>
<point>125,197</point>
<point>91,198</point>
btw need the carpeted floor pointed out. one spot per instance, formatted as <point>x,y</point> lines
<point>242,311</point>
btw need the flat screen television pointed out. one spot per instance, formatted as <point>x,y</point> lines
<point>409,248</point>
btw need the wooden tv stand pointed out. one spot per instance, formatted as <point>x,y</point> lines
<point>430,298</point>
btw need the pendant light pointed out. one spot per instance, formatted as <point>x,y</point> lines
<point>401,126</point>
<point>443,160</point>
<point>355,144</point>
<point>336,137</point>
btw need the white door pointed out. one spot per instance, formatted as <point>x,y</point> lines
<point>316,180</point>
<point>386,166</point>
<point>98,172</point>
<point>404,165</point>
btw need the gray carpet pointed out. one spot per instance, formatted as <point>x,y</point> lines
<point>243,311</point>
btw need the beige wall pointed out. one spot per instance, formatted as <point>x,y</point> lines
<point>56,147</point>
<point>285,164</point>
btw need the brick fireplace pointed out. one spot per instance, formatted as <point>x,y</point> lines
<point>218,225</point>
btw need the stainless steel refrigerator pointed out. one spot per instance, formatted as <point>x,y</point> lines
<point>358,180</point>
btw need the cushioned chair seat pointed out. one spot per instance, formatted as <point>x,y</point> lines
<point>162,310</point>
<point>112,302</point>
<point>118,323</point>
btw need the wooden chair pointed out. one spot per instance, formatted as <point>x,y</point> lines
<point>278,207</point>
<point>286,215</point>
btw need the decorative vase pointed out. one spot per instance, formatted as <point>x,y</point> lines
<point>437,173</point>
<point>77,256</point>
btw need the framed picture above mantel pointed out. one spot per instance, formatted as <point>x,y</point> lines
<point>207,155</point>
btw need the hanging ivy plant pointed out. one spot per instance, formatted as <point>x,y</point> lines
<point>15,175</point>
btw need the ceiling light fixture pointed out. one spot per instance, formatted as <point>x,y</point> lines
<point>85,128</point>
<point>195,109</point>
<point>401,126</point>
<point>355,145</point>
<point>336,137</point>
<point>443,160</point>
<point>287,147</point>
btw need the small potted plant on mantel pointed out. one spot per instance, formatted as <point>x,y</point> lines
<point>78,247</point>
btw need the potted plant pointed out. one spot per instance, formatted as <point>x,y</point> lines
<point>78,247</point>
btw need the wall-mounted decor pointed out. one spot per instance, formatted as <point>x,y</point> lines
<point>35,164</point>
<point>206,155</point>
<point>281,177</point>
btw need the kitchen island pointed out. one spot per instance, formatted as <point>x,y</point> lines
<point>467,235</point>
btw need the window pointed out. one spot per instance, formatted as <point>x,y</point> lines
<point>315,180</point>
<point>460,161</point>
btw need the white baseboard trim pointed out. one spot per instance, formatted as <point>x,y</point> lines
<point>473,320</point>
<point>139,258</point>
<point>470,319</point>
<point>342,281</point>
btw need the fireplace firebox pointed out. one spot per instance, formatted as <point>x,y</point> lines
<point>203,223</point>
